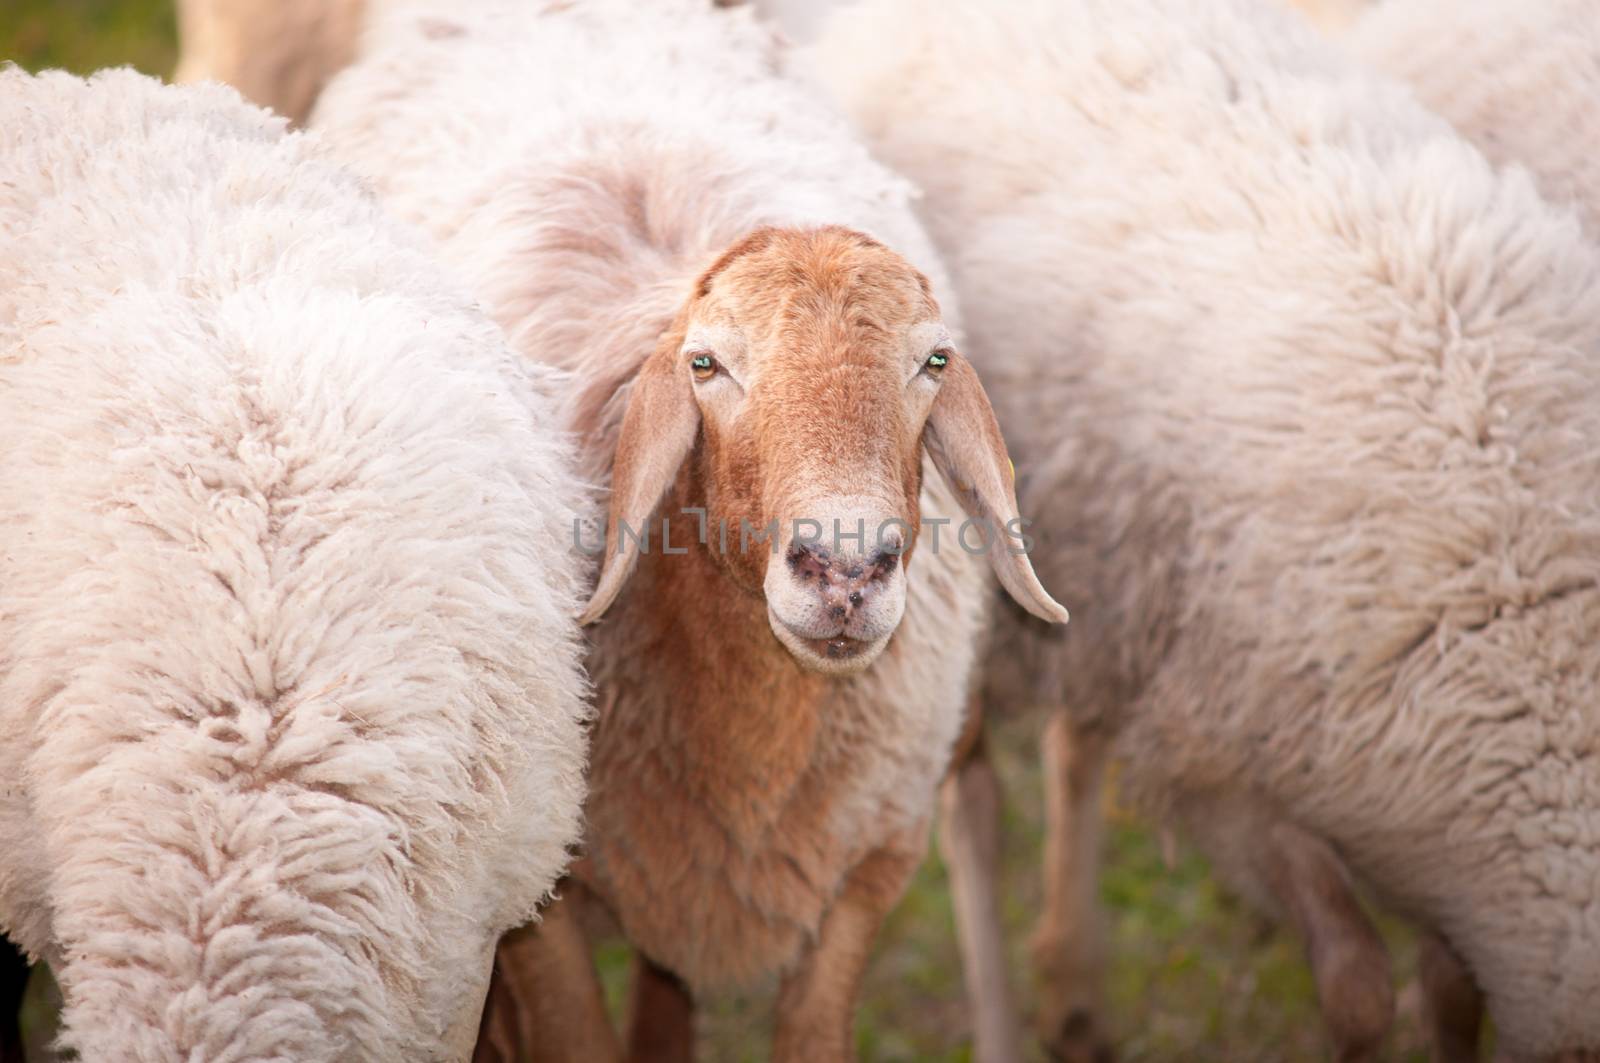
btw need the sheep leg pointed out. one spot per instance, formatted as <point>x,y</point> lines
<point>969,840</point>
<point>1451,1002</point>
<point>661,1029</point>
<point>545,999</point>
<point>504,1026</point>
<point>1348,959</point>
<point>13,980</point>
<point>816,1000</point>
<point>1068,944</point>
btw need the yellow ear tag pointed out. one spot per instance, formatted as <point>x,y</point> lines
<point>1013,469</point>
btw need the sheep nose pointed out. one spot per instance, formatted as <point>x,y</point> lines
<point>842,582</point>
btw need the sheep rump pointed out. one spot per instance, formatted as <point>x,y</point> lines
<point>291,696</point>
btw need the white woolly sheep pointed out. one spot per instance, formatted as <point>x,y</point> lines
<point>291,702</point>
<point>766,756</point>
<point>1522,82</point>
<point>1305,398</point>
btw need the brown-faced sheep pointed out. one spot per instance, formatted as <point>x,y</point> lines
<point>638,198</point>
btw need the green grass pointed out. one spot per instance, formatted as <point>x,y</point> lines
<point>1194,976</point>
<point>85,35</point>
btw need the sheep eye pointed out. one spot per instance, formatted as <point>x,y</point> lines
<point>936,362</point>
<point>703,366</point>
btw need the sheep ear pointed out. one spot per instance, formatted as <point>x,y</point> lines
<point>966,445</point>
<point>658,432</point>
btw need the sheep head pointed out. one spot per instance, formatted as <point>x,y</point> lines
<point>796,392</point>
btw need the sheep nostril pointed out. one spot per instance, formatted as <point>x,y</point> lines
<point>807,561</point>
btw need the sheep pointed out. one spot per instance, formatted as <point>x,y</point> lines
<point>1522,83</point>
<point>1303,394</point>
<point>292,710</point>
<point>638,199</point>
<point>279,53</point>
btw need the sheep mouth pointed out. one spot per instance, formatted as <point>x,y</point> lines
<point>838,655</point>
<point>837,648</point>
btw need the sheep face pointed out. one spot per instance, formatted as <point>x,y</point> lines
<point>794,396</point>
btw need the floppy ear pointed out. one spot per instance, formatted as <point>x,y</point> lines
<point>657,434</point>
<point>966,445</point>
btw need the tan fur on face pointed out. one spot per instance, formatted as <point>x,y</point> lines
<point>802,430</point>
<point>817,377</point>
<point>824,315</point>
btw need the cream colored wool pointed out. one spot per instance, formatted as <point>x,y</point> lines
<point>291,709</point>
<point>579,165</point>
<point>1306,398</point>
<point>1521,81</point>
<point>798,20</point>
<point>802,20</point>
